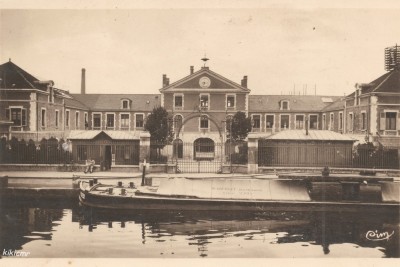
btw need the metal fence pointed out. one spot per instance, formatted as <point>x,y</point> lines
<point>46,152</point>
<point>51,152</point>
<point>326,154</point>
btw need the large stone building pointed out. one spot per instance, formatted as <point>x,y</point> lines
<point>200,105</point>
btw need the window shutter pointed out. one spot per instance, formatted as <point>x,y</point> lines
<point>8,114</point>
<point>398,121</point>
<point>382,123</point>
<point>23,117</point>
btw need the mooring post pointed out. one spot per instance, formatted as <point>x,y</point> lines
<point>143,172</point>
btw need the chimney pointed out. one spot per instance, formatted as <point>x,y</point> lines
<point>167,81</point>
<point>191,69</point>
<point>83,81</point>
<point>244,81</point>
<point>164,80</point>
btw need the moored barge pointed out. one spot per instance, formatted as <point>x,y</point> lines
<point>297,192</point>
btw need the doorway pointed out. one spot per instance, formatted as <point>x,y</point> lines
<point>107,157</point>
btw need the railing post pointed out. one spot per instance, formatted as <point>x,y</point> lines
<point>252,164</point>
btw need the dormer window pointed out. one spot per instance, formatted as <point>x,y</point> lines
<point>284,105</point>
<point>125,104</point>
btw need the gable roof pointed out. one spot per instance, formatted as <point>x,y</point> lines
<point>13,77</point>
<point>387,83</point>
<point>305,103</point>
<point>217,82</point>
<point>109,102</point>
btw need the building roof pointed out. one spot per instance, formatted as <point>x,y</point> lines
<point>109,102</point>
<point>387,83</point>
<point>305,103</point>
<point>91,134</point>
<point>337,105</point>
<point>74,103</point>
<point>313,135</point>
<point>14,77</point>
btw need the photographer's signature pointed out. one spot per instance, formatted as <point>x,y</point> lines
<point>377,236</point>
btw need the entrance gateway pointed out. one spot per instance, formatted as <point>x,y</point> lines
<point>201,156</point>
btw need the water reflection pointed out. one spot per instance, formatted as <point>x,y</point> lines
<point>210,234</point>
<point>317,228</point>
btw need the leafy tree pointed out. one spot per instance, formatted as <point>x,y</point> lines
<point>238,127</point>
<point>159,127</point>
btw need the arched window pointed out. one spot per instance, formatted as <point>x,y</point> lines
<point>177,148</point>
<point>204,149</point>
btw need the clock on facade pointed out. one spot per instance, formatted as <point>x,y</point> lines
<point>204,82</point>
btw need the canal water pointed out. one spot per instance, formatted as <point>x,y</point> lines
<point>48,230</point>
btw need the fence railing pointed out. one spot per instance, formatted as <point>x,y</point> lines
<point>47,152</point>
<point>332,155</point>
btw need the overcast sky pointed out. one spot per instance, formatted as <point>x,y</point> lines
<point>128,50</point>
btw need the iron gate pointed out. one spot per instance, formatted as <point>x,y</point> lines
<point>202,156</point>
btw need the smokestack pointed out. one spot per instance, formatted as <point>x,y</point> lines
<point>83,82</point>
<point>191,69</point>
<point>244,81</point>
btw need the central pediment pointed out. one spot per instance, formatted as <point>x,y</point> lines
<point>204,79</point>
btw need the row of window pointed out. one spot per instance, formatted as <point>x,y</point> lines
<point>284,121</point>
<point>331,122</point>
<point>204,101</point>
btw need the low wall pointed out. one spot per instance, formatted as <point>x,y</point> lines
<point>64,168</point>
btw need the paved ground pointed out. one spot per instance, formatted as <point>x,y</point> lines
<point>49,179</point>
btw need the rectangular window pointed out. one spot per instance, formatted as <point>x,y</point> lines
<point>96,121</point>
<point>269,121</point>
<point>43,124</point>
<point>67,118</point>
<point>124,121</point>
<point>331,122</point>
<point>178,101</point>
<point>256,121</point>
<point>230,101</point>
<point>57,118</point>
<point>299,121</point>
<point>17,115</point>
<point>314,122</point>
<point>391,120</point>
<point>77,120</point>
<point>86,121</point>
<point>125,104</point>
<point>204,122</point>
<point>284,121</point>
<point>110,121</point>
<point>139,120</point>
<point>340,121</point>
<point>285,105</point>
<point>204,101</point>
<point>363,121</point>
<point>350,123</point>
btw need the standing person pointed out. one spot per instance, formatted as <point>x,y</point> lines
<point>89,165</point>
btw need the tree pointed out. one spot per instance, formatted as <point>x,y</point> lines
<point>238,127</point>
<point>159,128</point>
